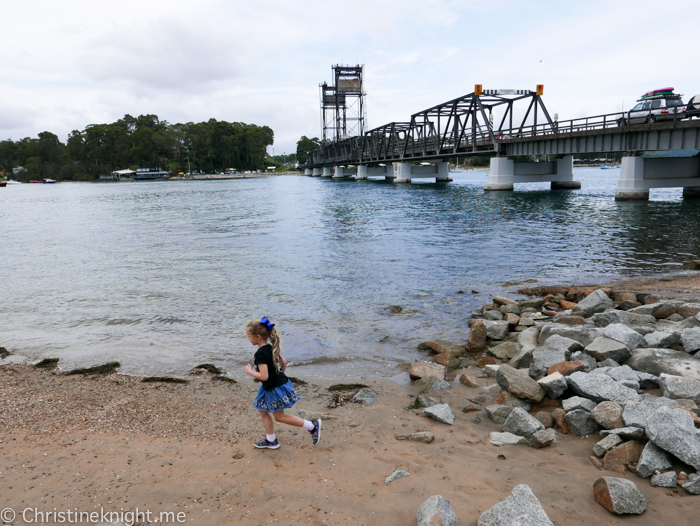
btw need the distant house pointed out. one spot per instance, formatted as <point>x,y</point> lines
<point>118,175</point>
<point>18,170</point>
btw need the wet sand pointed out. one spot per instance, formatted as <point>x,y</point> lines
<point>114,442</point>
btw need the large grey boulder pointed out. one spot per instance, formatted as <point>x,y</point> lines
<point>578,402</point>
<point>589,363</point>
<point>636,414</point>
<point>673,431</point>
<point>639,319</point>
<point>608,443</point>
<point>504,351</point>
<point>646,310</point>
<point>519,384</point>
<point>581,423</point>
<point>659,339</point>
<point>436,511</point>
<point>608,415</point>
<point>693,484</point>
<point>626,433</point>
<point>441,413</point>
<point>622,373</point>
<point>520,509</point>
<point>506,439</point>
<point>498,413</point>
<point>548,355</point>
<point>603,348</point>
<point>690,340</point>
<point>562,341</point>
<point>496,330</point>
<point>652,459</point>
<point>665,480</point>
<point>582,334</point>
<point>600,387</point>
<point>657,361</point>
<point>528,342</point>
<point>620,496</point>
<point>521,423</point>
<point>554,385</point>
<point>603,319</point>
<point>679,387</point>
<point>596,301</point>
<point>623,334</point>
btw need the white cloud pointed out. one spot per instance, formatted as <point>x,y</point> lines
<point>69,64</point>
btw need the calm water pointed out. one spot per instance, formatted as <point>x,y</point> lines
<point>163,275</point>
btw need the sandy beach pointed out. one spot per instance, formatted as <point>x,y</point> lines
<point>114,443</point>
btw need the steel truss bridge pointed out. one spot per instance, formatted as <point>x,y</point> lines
<point>484,122</point>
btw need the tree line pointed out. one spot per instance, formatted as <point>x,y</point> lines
<point>143,141</point>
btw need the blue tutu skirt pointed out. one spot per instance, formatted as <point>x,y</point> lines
<point>276,399</point>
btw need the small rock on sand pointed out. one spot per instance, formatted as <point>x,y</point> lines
<point>436,511</point>
<point>521,508</point>
<point>441,413</point>
<point>620,496</point>
<point>506,439</point>
<point>398,474</point>
<point>423,436</point>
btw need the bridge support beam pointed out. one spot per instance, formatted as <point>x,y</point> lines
<point>343,171</point>
<point>316,172</point>
<point>639,174</point>
<point>327,172</point>
<point>505,172</point>
<point>405,172</point>
<point>361,173</point>
<point>308,171</point>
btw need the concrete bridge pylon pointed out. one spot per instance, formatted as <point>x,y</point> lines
<point>505,172</point>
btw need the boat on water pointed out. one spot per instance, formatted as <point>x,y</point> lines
<point>13,181</point>
<point>605,167</point>
<point>35,182</point>
<point>47,181</point>
<point>3,184</point>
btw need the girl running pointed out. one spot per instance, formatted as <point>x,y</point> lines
<point>276,392</point>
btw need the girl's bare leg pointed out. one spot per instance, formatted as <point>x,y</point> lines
<point>267,422</point>
<point>290,420</point>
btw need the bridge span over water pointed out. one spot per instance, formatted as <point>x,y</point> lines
<point>506,124</point>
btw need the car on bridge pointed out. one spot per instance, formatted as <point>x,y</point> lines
<point>656,106</point>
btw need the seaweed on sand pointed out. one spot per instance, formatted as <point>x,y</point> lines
<point>4,353</point>
<point>297,381</point>
<point>346,387</point>
<point>47,363</point>
<point>224,379</point>
<point>106,368</point>
<point>165,379</point>
<point>213,369</point>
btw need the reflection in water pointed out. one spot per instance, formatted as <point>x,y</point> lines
<point>163,275</point>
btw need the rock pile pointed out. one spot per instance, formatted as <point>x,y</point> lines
<point>593,353</point>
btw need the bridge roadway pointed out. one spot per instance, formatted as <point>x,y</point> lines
<point>658,154</point>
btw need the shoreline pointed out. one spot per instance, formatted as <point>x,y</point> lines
<point>92,442</point>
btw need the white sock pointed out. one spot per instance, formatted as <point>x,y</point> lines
<point>271,438</point>
<point>308,425</point>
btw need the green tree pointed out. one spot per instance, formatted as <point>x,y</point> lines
<point>306,145</point>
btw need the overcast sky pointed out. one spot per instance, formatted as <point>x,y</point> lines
<point>72,63</point>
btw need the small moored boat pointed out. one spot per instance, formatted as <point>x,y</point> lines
<point>47,181</point>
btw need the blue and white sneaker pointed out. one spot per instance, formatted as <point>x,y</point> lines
<point>316,432</point>
<point>266,444</point>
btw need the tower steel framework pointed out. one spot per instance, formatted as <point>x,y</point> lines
<point>343,111</point>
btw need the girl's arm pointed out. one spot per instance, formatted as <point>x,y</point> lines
<point>262,375</point>
<point>283,363</point>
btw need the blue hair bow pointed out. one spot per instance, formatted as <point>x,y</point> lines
<point>267,323</point>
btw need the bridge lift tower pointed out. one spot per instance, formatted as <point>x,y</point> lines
<point>343,112</point>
